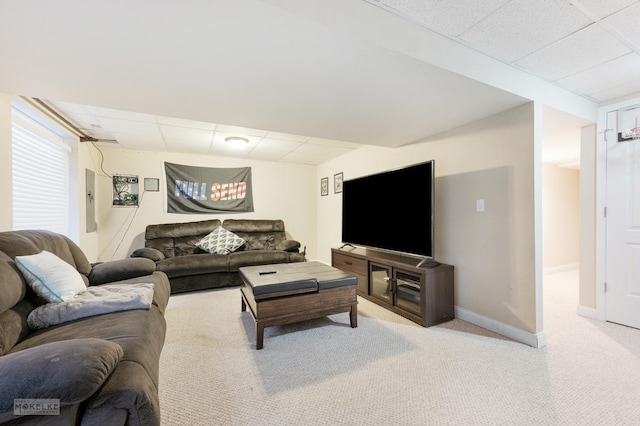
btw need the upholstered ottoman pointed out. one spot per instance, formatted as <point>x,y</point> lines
<point>291,292</point>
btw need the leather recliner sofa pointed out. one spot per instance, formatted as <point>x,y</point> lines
<point>102,369</point>
<point>173,247</point>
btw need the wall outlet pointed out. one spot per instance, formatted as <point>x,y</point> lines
<point>479,205</point>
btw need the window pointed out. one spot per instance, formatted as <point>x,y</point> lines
<point>40,161</point>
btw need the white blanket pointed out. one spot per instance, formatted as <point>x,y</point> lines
<point>96,300</point>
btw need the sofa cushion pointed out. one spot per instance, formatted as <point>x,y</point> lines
<point>21,243</point>
<point>177,230</point>
<point>194,264</point>
<point>118,270</point>
<point>288,245</point>
<point>220,241</point>
<point>256,257</point>
<point>178,239</point>
<point>50,277</point>
<point>70,371</point>
<point>185,246</point>
<point>140,333</point>
<point>13,284</point>
<point>149,253</point>
<point>258,234</point>
<point>13,325</point>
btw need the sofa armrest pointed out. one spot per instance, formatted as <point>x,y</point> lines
<point>288,245</point>
<point>149,253</point>
<point>69,371</point>
<point>118,270</point>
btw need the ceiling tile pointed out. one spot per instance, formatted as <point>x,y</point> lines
<point>522,27</point>
<point>174,145</point>
<point>338,151</point>
<point>181,122</point>
<point>445,16</point>
<point>225,151</point>
<point>331,142</point>
<point>268,144</point>
<point>99,134</point>
<point>84,121</point>
<point>617,91</point>
<point>301,158</point>
<point>69,108</point>
<point>182,145</point>
<point>627,22</point>
<point>131,141</point>
<point>623,70</point>
<point>581,50</point>
<point>313,149</point>
<point>187,134</point>
<point>240,130</point>
<point>265,155</point>
<point>286,137</point>
<point>121,115</point>
<point>131,127</point>
<point>604,8</point>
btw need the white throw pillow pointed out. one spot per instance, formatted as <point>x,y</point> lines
<point>220,241</point>
<point>50,277</point>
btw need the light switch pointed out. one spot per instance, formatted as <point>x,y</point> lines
<point>479,205</point>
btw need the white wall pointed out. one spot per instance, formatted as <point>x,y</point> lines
<point>281,191</point>
<point>587,293</point>
<point>494,253</point>
<point>560,216</point>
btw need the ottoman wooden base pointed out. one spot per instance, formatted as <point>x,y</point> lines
<point>293,308</point>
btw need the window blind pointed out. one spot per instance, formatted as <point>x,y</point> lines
<point>40,162</point>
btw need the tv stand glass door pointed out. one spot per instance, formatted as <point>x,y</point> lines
<point>381,283</point>
<point>407,291</point>
<point>396,287</point>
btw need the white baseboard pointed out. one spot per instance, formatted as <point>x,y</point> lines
<point>538,340</point>
<point>586,312</point>
<point>561,268</point>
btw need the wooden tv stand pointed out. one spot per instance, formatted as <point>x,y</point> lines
<point>423,294</point>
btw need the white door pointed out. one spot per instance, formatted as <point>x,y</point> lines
<point>623,220</point>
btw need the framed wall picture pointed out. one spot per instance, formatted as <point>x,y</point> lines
<point>151,184</point>
<point>337,183</point>
<point>324,186</point>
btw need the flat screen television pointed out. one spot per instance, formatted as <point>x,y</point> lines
<point>392,210</point>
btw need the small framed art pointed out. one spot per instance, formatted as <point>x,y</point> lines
<point>337,183</point>
<point>324,186</point>
<point>152,184</point>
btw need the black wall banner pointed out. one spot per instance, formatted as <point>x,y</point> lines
<point>192,189</point>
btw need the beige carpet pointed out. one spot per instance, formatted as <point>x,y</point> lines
<point>390,371</point>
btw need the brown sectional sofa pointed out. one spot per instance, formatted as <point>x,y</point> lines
<point>103,369</point>
<point>173,247</point>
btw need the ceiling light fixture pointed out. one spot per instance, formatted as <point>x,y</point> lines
<point>237,142</point>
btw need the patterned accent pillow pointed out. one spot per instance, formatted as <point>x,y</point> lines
<point>220,241</point>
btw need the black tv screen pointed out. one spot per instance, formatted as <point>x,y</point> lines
<point>392,210</point>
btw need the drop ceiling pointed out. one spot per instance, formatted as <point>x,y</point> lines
<point>590,47</point>
<point>300,78</point>
<point>139,131</point>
